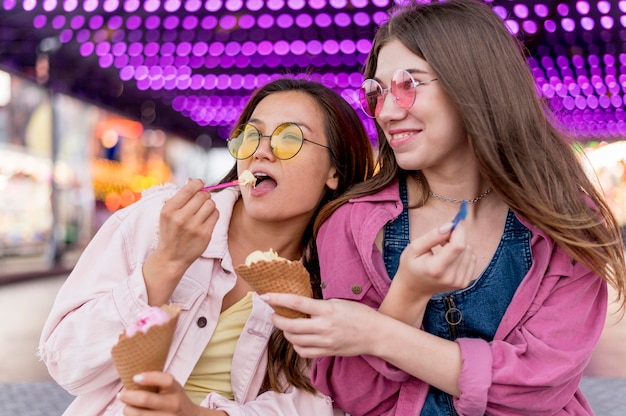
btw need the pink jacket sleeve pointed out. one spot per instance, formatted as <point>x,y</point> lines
<point>355,386</point>
<point>363,385</point>
<point>535,367</point>
<point>103,294</point>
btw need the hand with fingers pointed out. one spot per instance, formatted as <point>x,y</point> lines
<point>186,224</point>
<point>335,327</point>
<point>170,400</point>
<point>438,261</point>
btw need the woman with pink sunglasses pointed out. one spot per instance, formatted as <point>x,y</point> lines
<point>499,315</point>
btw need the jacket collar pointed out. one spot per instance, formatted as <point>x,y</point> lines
<point>391,193</point>
<point>224,203</point>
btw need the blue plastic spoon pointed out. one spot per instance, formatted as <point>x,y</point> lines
<point>460,216</point>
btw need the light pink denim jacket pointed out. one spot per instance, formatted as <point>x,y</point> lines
<point>532,367</point>
<point>105,292</point>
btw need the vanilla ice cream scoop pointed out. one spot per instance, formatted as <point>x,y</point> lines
<point>247,178</point>
<point>259,255</point>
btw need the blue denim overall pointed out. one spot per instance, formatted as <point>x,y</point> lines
<point>473,312</point>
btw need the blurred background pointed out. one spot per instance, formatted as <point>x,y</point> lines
<point>101,99</point>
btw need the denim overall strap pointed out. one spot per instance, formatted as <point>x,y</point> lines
<point>396,236</point>
<point>476,311</point>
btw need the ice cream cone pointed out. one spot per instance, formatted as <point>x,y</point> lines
<point>282,276</point>
<point>144,351</point>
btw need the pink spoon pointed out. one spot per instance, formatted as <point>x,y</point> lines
<point>221,185</point>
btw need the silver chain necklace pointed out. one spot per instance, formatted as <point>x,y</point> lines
<point>458,201</point>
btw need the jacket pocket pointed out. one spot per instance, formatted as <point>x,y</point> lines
<point>349,281</point>
<point>187,293</point>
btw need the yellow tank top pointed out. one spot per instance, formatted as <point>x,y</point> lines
<point>212,371</point>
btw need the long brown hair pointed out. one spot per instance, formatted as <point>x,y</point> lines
<point>352,155</point>
<point>521,149</point>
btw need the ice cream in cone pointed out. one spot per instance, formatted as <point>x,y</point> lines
<point>144,346</point>
<point>268,272</point>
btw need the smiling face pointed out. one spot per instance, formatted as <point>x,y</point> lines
<point>290,188</point>
<point>430,134</point>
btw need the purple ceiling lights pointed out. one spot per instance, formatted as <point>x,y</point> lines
<point>177,69</point>
<point>205,57</point>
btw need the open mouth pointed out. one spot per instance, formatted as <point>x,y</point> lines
<point>264,181</point>
<point>260,177</point>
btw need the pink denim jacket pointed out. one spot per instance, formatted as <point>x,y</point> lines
<point>105,292</point>
<point>532,367</point>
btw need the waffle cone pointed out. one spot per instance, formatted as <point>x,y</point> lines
<point>281,276</point>
<point>144,351</point>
